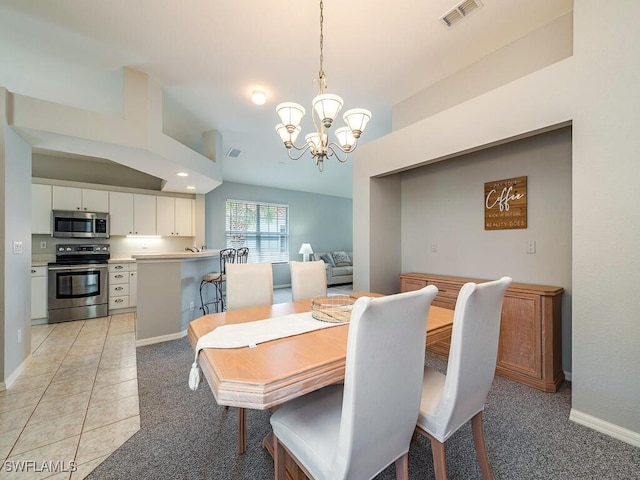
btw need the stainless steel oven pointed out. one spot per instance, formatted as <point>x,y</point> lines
<point>78,283</point>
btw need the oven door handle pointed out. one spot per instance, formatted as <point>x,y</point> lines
<point>78,267</point>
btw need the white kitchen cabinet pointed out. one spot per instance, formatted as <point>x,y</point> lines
<point>184,216</point>
<point>38,293</point>
<point>83,199</point>
<point>120,286</point>
<point>121,213</point>
<point>174,216</point>
<point>133,286</point>
<point>132,214</point>
<point>144,214</point>
<point>40,209</point>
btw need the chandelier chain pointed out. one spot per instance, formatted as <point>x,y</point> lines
<point>325,110</point>
<point>321,77</point>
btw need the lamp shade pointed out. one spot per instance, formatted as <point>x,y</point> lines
<point>287,136</point>
<point>345,138</point>
<point>306,248</point>
<point>357,119</point>
<point>313,139</point>
<point>327,107</point>
<point>290,114</point>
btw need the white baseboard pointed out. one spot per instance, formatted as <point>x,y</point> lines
<point>16,373</point>
<point>610,429</point>
<point>162,338</point>
<point>284,285</point>
<point>567,376</point>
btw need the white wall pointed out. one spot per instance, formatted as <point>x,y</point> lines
<point>606,227</point>
<point>540,48</point>
<point>597,90</point>
<point>15,178</point>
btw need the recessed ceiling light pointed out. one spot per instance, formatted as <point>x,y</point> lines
<point>258,97</point>
<point>191,187</point>
<point>183,174</point>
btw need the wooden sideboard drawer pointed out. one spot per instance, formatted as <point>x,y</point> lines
<point>530,344</point>
<point>411,284</point>
<point>446,289</point>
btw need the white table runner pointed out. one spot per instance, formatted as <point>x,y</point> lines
<point>249,334</point>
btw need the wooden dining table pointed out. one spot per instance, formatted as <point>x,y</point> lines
<point>277,371</point>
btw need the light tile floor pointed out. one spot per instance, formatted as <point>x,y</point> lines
<point>76,401</point>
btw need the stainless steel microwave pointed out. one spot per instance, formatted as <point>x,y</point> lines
<point>72,224</point>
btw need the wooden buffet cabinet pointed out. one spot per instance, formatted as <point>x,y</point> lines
<point>530,347</point>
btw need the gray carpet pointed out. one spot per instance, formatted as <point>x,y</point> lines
<point>186,435</point>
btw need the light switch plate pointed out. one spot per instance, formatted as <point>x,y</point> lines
<point>531,246</point>
<point>17,247</point>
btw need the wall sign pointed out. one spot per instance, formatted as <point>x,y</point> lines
<point>505,204</point>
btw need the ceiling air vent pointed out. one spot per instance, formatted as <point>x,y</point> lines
<point>234,152</point>
<point>460,11</point>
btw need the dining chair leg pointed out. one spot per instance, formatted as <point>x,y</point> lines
<point>402,467</point>
<point>279,459</point>
<point>481,450</point>
<point>439,465</point>
<point>242,422</point>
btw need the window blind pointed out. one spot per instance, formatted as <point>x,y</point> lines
<point>263,227</point>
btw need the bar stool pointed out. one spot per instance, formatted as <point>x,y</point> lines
<point>242,254</point>
<point>217,279</point>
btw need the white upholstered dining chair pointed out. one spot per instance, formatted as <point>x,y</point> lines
<point>451,400</point>
<point>356,429</point>
<point>308,279</point>
<point>249,285</point>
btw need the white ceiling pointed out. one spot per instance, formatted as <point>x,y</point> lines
<point>210,54</point>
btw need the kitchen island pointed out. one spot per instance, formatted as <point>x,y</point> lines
<point>169,293</point>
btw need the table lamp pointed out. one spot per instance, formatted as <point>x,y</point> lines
<point>305,250</point>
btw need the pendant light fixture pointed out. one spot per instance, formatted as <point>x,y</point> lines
<point>326,107</point>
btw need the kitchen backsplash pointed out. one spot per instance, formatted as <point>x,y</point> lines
<point>121,247</point>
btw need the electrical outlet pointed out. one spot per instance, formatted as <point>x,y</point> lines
<point>17,247</point>
<point>43,245</point>
<point>192,306</point>
<point>145,245</point>
<point>434,247</point>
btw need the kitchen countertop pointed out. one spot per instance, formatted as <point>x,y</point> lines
<point>176,255</point>
<point>122,260</point>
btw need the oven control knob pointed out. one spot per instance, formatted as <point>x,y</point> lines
<point>68,249</point>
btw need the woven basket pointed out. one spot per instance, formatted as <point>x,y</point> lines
<point>332,308</point>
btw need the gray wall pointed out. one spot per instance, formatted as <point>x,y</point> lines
<point>321,220</point>
<point>442,204</point>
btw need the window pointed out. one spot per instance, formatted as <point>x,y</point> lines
<point>263,227</point>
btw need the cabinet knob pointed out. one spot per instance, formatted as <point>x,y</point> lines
<point>119,267</point>
<point>33,271</point>
<point>119,300</point>
<point>119,276</point>
<point>118,288</point>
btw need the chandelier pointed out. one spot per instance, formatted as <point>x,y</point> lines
<point>326,107</point>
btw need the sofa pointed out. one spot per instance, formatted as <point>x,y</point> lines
<point>339,266</point>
